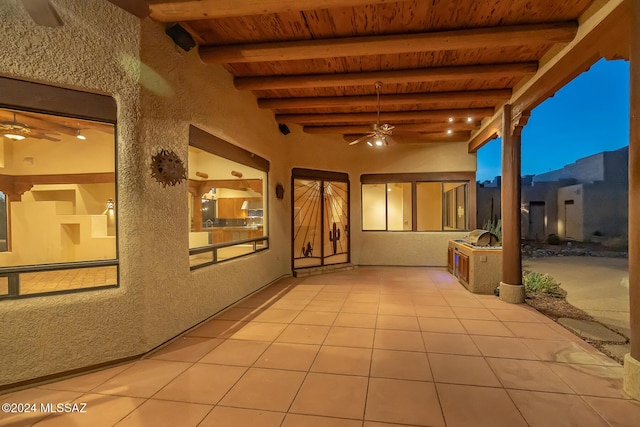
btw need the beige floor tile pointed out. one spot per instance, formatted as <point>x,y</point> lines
<point>350,337</point>
<point>288,356</point>
<point>330,306</point>
<point>397,309</point>
<point>370,297</point>
<point>239,313</point>
<point>342,360</point>
<point>463,302</point>
<point>187,349</point>
<point>403,402</point>
<point>560,351</point>
<point>360,307</point>
<point>473,313</point>
<point>222,416</point>
<point>355,320</point>
<point>465,406</point>
<point>486,327</point>
<point>407,365</point>
<point>447,326</point>
<point>591,380</point>
<point>86,382</point>
<point>267,389</point>
<point>273,315</point>
<point>431,301</point>
<point>202,383</point>
<point>236,352</point>
<point>315,318</point>
<point>162,413</point>
<point>98,410</point>
<point>470,370</point>
<point>512,348</point>
<point>297,420</point>
<point>217,329</point>
<point>618,412</point>
<point>398,340</point>
<point>377,424</point>
<point>304,334</point>
<point>341,396</point>
<point>143,379</point>
<point>513,315</point>
<point>434,311</point>
<point>528,375</point>
<point>532,330</point>
<point>557,410</point>
<point>35,396</point>
<point>259,331</point>
<point>403,323</point>
<point>449,343</point>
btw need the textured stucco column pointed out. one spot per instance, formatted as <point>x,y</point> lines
<point>632,360</point>
<point>511,289</point>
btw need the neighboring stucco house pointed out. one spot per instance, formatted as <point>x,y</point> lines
<point>583,199</point>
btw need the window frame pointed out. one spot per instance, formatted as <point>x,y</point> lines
<point>468,178</point>
<point>211,144</point>
<point>40,98</point>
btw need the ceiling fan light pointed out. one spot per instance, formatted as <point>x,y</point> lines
<point>369,144</point>
<point>80,136</point>
<point>379,143</point>
<point>14,136</point>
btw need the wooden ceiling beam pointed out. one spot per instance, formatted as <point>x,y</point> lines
<point>399,129</point>
<point>419,75</point>
<point>473,38</point>
<point>385,99</point>
<point>420,137</point>
<point>476,113</point>
<point>176,11</point>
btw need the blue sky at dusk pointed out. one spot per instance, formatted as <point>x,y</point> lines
<point>587,116</point>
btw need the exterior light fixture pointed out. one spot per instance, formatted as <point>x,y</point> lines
<point>111,204</point>
<point>79,135</point>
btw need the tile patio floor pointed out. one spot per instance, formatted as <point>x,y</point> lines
<point>370,347</point>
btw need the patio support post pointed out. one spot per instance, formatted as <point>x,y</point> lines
<point>632,360</point>
<point>511,288</point>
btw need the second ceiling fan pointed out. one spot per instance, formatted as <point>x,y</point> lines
<point>381,134</point>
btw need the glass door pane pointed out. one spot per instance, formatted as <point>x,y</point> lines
<point>336,226</point>
<point>307,229</point>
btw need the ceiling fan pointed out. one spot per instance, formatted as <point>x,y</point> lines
<point>43,13</point>
<point>381,134</point>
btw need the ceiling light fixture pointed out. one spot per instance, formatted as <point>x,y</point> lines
<point>79,135</point>
<point>14,130</point>
<point>111,204</point>
<point>449,131</point>
<point>450,119</point>
<point>469,119</point>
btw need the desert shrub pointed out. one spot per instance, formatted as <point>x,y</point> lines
<point>553,239</point>
<point>539,283</point>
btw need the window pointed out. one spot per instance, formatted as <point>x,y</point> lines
<point>227,200</point>
<point>58,191</point>
<point>417,202</point>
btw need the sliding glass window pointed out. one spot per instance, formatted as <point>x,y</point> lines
<point>57,203</point>
<point>227,200</point>
<point>414,204</point>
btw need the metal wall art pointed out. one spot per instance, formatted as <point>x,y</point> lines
<point>167,168</point>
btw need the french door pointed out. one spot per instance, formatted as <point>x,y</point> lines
<point>320,218</point>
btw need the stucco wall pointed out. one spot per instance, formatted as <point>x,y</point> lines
<point>159,94</point>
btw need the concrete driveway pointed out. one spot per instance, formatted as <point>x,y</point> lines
<point>599,286</point>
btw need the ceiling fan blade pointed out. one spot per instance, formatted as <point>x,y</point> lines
<point>139,8</point>
<point>42,13</point>
<point>364,138</point>
<point>389,140</point>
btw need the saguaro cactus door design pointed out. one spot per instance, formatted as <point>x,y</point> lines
<point>320,221</point>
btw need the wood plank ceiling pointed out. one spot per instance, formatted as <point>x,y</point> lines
<point>444,65</point>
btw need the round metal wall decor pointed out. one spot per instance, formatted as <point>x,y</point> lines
<point>167,168</point>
